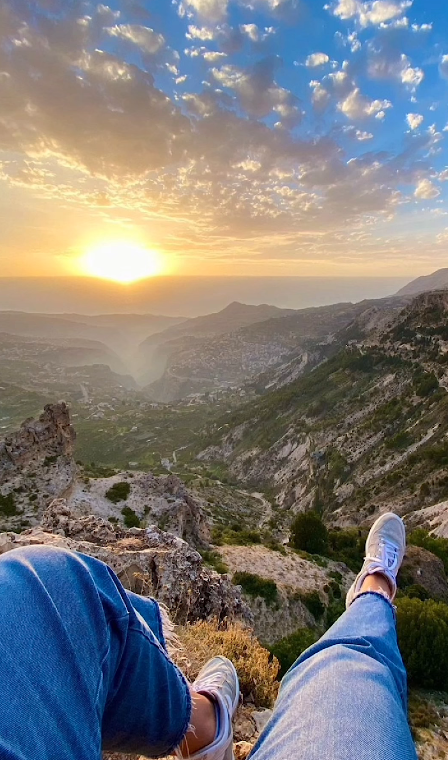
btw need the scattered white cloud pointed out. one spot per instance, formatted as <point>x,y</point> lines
<point>212,56</point>
<point>412,76</point>
<point>369,13</point>
<point>443,175</point>
<point>316,59</point>
<point>443,66</point>
<point>387,64</point>
<point>426,190</point>
<point>356,106</point>
<point>362,136</point>
<point>212,10</point>
<point>320,97</point>
<point>414,120</point>
<point>200,33</point>
<point>252,31</point>
<point>143,37</point>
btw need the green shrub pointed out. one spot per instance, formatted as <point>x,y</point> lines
<point>255,585</point>
<point>423,640</point>
<point>8,505</point>
<point>313,603</point>
<point>130,518</point>
<point>424,384</point>
<point>118,492</point>
<point>347,546</point>
<point>50,460</point>
<point>241,537</point>
<point>309,534</point>
<point>288,649</point>
<point>214,560</point>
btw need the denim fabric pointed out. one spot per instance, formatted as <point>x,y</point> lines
<point>345,697</point>
<point>82,663</point>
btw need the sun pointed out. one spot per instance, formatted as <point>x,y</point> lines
<point>121,261</point>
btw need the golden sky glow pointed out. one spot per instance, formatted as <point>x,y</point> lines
<point>236,137</point>
<point>121,261</point>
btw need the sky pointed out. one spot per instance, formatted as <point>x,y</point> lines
<point>232,137</point>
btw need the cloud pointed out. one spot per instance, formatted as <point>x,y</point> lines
<point>255,87</point>
<point>143,37</point>
<point>369,13</point>
<point>385,62</point>
<point>212,10</point>
<point>356,106</point>
<point>316,59</point>
<point>425,190</point>
<point>200,33</point>
<point>414,120</point>
<point>320,97</point>
<point>443,66</point>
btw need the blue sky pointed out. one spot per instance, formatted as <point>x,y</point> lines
<point>233,136</point>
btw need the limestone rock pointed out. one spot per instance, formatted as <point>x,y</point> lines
<point>427,570</point>
<point>50,435</point>
<point>36,466</point>
<point>147,561</point>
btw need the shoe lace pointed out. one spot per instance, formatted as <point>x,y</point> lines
<point>387,555</point>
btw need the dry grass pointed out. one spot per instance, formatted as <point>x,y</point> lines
<point>256,669</point>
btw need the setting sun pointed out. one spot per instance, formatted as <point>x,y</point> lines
<point>121,261</point>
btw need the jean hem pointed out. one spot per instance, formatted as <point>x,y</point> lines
<point>381,596</point>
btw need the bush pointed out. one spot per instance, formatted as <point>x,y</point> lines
<point>255,586</point>
<point>423,640</point>
<point>240,537</point>
<point>256,669</point>
<point>425,384</point>
<point>288,649</point>
<point>313,603</point>
<point>130,518</point>
<point>347,546</point>
<point>309,534</point>
<point>214,560</point>
<point>8,505</point>
<point>118,492</point>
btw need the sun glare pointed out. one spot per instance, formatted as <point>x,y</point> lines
<point>121,261</point>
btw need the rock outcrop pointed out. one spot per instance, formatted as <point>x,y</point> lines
<point>51,435</point>
<point>36,466</point>
<point>147,561</point>
<point>162,500</point>
<point>423,568</point>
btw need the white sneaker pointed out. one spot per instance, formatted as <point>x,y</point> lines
<point>218,678</point>
<point>385,547</point>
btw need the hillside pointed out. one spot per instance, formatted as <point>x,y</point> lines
<point>362,432</point>
<point>226,594</point>
<point>236,357</point>
<point>157,349</point>
<point>435,281</point>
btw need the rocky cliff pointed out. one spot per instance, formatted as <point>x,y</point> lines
<point>36,465</point>
<point>147,561</point>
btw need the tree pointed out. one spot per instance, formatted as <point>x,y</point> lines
<point>309,534</point>
<point>423,640</point>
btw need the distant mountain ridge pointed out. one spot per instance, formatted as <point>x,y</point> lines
<point>156,351</point>
<point>436,281</point>
<point>301,338</point>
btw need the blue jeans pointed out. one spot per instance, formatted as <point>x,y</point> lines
<point>83,666</point>
<point>345,698</point>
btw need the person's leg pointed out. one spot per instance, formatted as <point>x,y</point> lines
<point>345,697</point>
<point>80,667</point>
